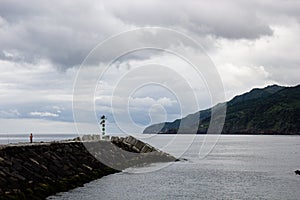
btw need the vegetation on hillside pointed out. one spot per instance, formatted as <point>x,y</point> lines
<point>271,110</point>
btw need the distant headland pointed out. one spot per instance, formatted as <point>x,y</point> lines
<point>270,110</point>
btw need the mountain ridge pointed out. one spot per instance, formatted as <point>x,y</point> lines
<point>270,110</point>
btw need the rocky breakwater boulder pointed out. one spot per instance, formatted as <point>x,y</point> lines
<point>38,170</point>
<point>35,171</point>
<point>141,152</point>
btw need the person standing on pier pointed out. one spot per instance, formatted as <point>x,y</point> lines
<point>31,137</point>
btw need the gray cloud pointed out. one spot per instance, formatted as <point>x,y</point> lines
<point>228,19</point>
<point>61,32</point>
<point>64,32</point>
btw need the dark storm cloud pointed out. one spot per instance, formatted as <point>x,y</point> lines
<point>63,32</point>
<point>226,19</point>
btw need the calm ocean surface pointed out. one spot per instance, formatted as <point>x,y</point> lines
<point>239,167</point>
<point>42,137</point>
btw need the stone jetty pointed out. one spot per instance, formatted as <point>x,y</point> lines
<point>38,170</point>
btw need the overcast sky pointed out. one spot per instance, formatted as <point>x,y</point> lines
<point>43,43</point>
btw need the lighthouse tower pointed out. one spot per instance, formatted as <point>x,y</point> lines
<point>102,125</point>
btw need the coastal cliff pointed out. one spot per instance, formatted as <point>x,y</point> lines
<point>38,170</point>
<point>270,110</point>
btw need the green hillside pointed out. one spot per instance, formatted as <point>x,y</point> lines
<point>271,110</point>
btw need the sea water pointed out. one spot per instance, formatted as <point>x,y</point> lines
<point>41,137</point>
<point>238,167</point>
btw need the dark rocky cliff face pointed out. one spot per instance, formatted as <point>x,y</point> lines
<point>35,171</point>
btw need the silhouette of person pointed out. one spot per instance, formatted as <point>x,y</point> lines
<point>31,137</point>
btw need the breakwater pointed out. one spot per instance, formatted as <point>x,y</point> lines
<point>38,170</point>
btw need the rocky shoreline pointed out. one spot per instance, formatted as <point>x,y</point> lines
<point>38,170</point>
